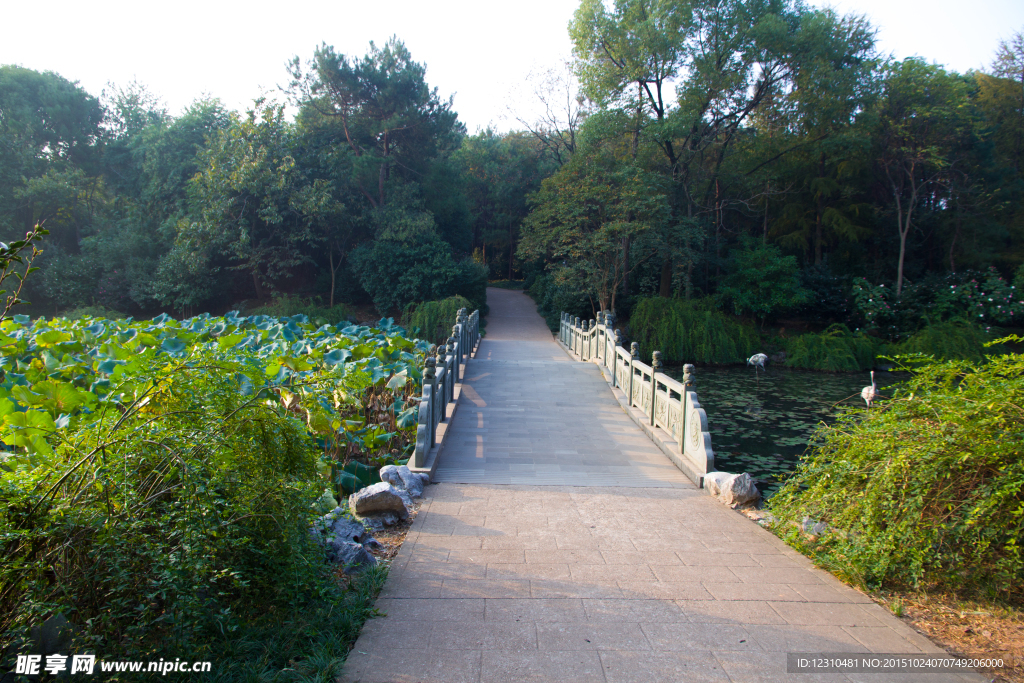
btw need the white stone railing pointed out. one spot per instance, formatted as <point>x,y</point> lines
<point>667,406</point>
<point>442,371</point>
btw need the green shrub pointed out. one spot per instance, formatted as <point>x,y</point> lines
<point>93,312</point>
<point>507,284</point>
<point>553,298</point>
<point>318,314</point>
<point>396,274</point>
<point>925,490</point>
<point>433,320</point>
<point>762,281</point>
<point>158,478</point>
<point>950,340</point>
<point>690,332</point>
<point>834,350</point>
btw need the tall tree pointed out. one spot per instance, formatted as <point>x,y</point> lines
<point>253,203</point>
<point>386,115</point>
<point>922,113</point>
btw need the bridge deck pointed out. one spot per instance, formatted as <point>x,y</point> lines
<point>530,415</point>
<point>574,551</point>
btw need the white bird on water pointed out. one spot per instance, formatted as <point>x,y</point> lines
<point>757,360</point>
<point>870,394</point>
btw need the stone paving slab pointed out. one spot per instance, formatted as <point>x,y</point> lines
<point>541,583</point>
<point>611,580</point>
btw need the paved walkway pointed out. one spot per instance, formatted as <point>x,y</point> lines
<point>538,570</point>
<point>530,415</point>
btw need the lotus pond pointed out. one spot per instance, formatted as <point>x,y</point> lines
<point>761,423</point>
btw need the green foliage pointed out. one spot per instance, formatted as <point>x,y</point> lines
<point>92,312</point>
<point>146,459</point>
<point>834,350</point>
<point>584,214</point>
<point>690,332</point>
<point>306,644</point>
<point>950,340</point>
<point>396,273</point>
<point>985,299</point>
<point>19,253</point>
<point>925,489</point>
<point>553,297</point>
<point>763,282</point>
<point>433,320</point>
<point>507,284</point>
<point>287,306</point>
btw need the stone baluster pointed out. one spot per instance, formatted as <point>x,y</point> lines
<point>576,335</point>
<point>615,357</point>
<point>591,338</point>
<point>453,369</point>
<point>688,373</point>
<point>430,380</point>
<point>460,351</point>
<point>634,355</point>
<point>463,320</point>
<point>441,384</point>
<point>655,369</point>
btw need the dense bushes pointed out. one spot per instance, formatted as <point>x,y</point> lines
<point>433,320</point>
<point>553,298</point>
<point>397,273</point>
<point>925,490</point>
<point>158,481</point>
<point>690,332</point>
<point>950,340</point>
<point>834,350</point>
<point>288,306</point>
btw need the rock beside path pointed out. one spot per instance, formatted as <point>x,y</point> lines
<point>380,499</point>
<point>732,489</point>
<point>347,541</point>
<point>401,477</point>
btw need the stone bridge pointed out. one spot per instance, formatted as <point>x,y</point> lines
<point>561,542</point>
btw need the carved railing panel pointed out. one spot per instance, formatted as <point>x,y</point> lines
<point>669,405</point>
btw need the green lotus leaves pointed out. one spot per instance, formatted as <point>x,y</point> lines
<point>337,356</point>
<point>55,372</point>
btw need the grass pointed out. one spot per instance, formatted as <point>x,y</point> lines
<point>309,643</point>
<point>837,349</point>
<point>690,332</point>
<point>433,320</point>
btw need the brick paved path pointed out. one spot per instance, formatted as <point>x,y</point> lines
<point>646,579</point>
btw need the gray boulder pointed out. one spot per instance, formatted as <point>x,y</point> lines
<point>713,481</point>
<point>411,481</point>
<point>389,473</point>
<point>339,532</point>
<point>381,520</point>
<point>378,498</point>
<point>353,556</point>
<point>401,477</point>
<point>731,489</point>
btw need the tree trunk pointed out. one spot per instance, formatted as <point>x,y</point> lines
<point>510,247</point>
<point>666,277</point>
<point>330,255</point>
<point>764,229</point>
<point>625,266</point>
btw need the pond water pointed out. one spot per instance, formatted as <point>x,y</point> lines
<point>761,423</point>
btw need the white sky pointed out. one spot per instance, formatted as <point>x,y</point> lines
<point>481,51</point>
